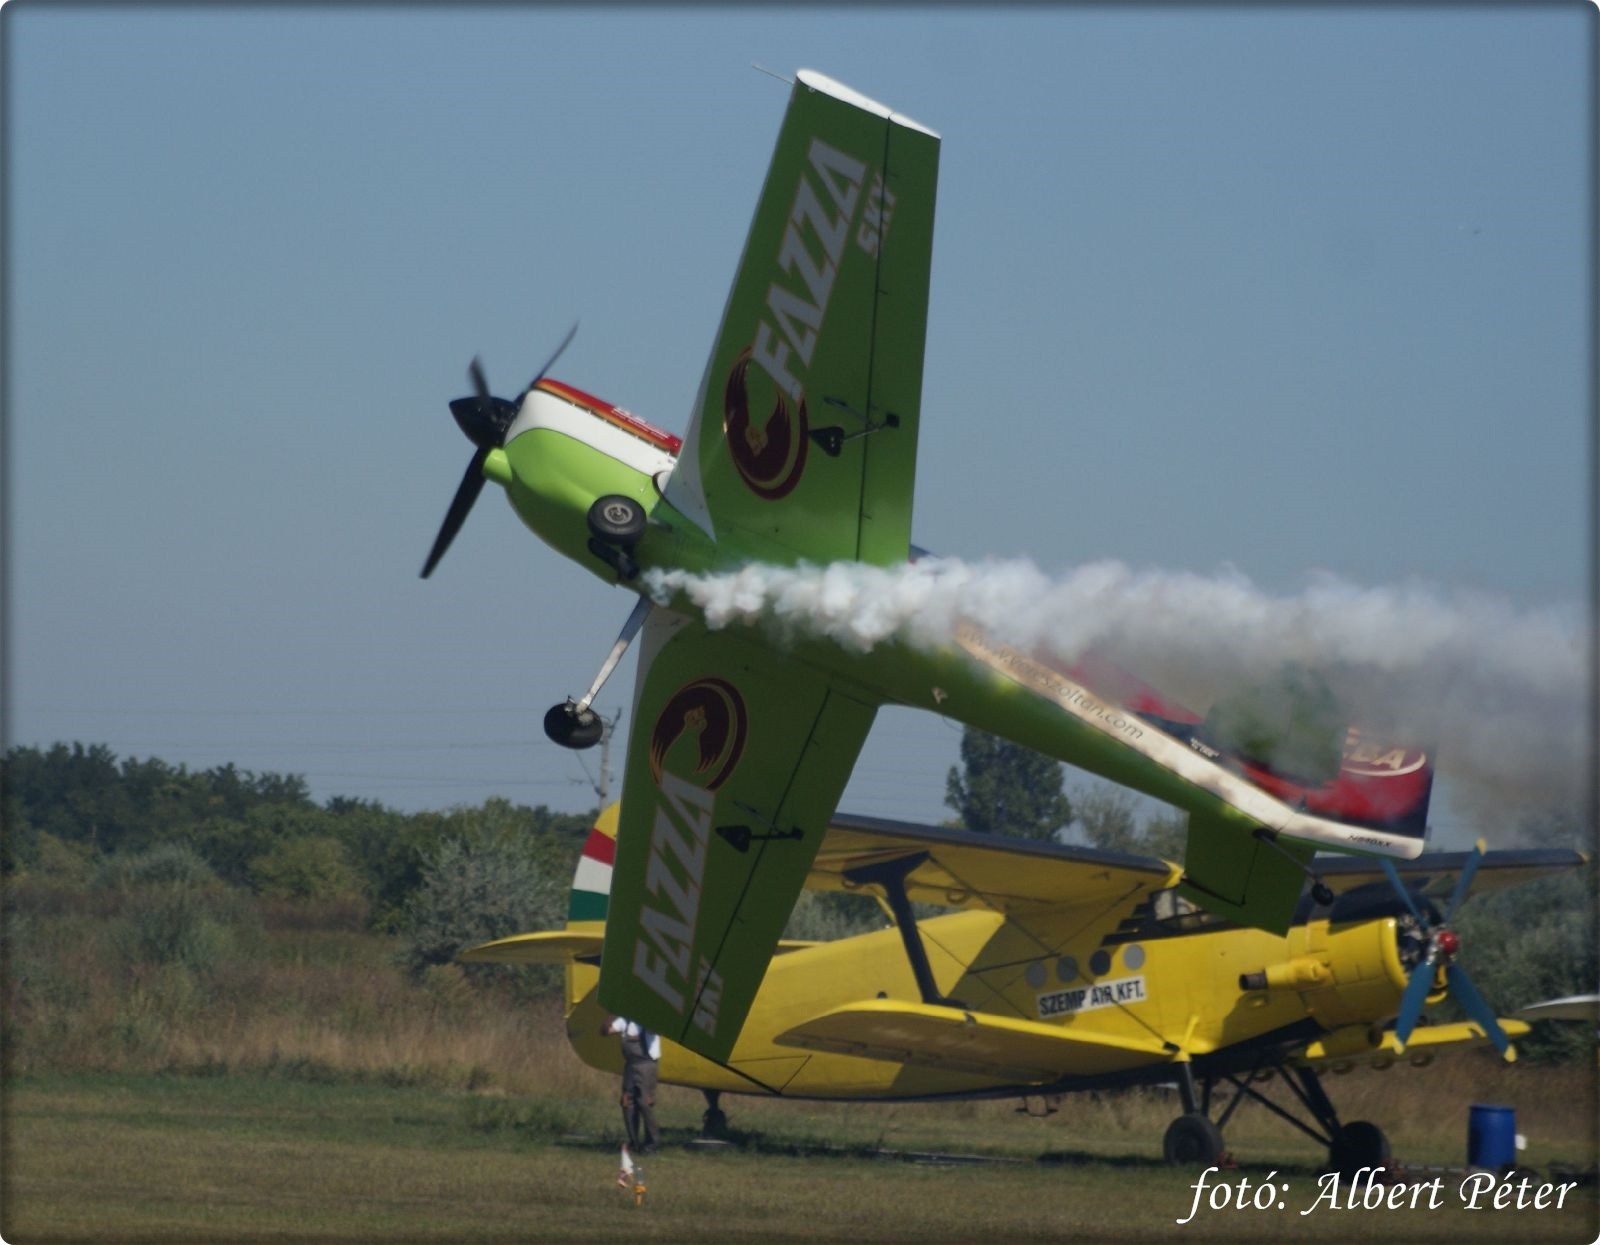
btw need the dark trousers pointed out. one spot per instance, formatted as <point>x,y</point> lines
<point>639,1102</point>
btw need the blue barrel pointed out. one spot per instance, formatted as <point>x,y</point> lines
<point>1491,1136</point>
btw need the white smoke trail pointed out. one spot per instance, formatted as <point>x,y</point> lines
<point>1502,693</point>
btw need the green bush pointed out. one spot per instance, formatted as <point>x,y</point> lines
<point>170,925</point>
<point>167,864</point>
<point>170,909</point>
<point>68,863</point>
<point>314,868</point>
<point>487,884</point>
<point>1526,944</point>
<point>823,916</point>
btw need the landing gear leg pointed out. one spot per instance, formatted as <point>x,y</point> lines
<point>573,724</point>
<point>1191,1100</point>
<point>1350,1146</point>
<point>1192,1139</point>
<point>714,1123</point>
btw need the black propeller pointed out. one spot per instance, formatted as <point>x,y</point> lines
<point>1441,949</point>
<point>485,419</point>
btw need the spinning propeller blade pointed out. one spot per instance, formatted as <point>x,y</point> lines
<point>1464,882</point>
<point>1442,947</point>
<point>551,361</point>
<point>1404,891</point>
<point>1417,987</point>
<point>485,419</point>
<point>1472,1003</point>
<point>460,504</point>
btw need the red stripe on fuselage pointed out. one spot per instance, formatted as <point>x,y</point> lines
<point>614,415</point>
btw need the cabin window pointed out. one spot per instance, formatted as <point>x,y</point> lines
<point>1170,911</point>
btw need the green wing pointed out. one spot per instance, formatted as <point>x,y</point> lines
<point>803,441</point>
<point>736,760</point>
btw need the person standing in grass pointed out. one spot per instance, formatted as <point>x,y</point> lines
<point>641,1055</point>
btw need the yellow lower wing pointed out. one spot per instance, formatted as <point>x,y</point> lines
<point>1353,1044</point>
<point>558,946</point>
<point>955,1040</point>
<point>555,946</point>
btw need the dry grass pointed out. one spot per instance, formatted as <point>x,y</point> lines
<point>322,1094</point>
<point>331,1006</point>
<point>326,1004</point>
<point>132,1159</point>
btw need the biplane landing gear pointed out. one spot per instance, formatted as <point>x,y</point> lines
<point>1195,1139</point>
<point>1358,1144</point>
<point>714,1123</point>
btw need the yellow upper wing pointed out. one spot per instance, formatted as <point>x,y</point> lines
<point>966,870</point>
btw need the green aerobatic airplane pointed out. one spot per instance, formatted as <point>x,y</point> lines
<point>801,450</point>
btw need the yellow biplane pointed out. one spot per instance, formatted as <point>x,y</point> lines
<point>1063,968</point>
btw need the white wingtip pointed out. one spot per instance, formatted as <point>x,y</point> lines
<point>828,86</point>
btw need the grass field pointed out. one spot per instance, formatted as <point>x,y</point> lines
<point>163,1158</point>
<point>304,1088</point>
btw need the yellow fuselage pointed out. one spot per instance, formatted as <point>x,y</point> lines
<point>1105,974</point>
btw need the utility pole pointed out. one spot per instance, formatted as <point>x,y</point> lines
<point>603,787</point>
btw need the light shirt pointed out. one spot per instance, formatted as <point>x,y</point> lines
<point>633,1030</point>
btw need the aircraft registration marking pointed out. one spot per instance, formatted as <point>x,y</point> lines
<point>1122,990</point>
<point>661,955</point>
<point>799,316</point>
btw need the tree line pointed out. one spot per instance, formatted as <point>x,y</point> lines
<point>70,807</point>
<point>77,816</point>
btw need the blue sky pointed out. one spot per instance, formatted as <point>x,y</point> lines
<point>1275,289</point>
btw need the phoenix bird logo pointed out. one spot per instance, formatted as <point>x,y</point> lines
<point>771,458</point>
<point>714,711</point>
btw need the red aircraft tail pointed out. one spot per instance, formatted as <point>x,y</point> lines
<point>1285,742</point>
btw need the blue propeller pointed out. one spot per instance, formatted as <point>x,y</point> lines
<point>1442,947</point>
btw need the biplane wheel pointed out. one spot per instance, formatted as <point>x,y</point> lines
<point>1358,1144</point>
<point>1192,1140</point>
<point>566,726</point>
<point>617,520</point>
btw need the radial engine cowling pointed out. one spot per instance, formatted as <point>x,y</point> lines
<point>1346,974</point>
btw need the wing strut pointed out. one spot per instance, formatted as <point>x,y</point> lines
<point>891,876</point>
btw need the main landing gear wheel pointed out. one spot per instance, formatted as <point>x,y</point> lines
<point>571,727</point>
<point>1193,1141</point>
<point>617,520</point>
<point>1358,1144</point>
